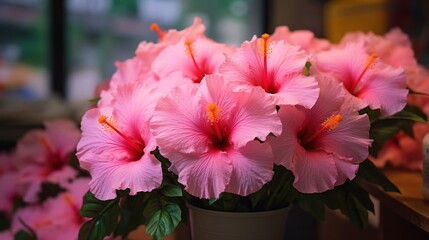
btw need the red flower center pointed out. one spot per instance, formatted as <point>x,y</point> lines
<point>136,147</point>
<point>332,122</point>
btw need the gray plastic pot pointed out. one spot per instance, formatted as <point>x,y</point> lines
<point>216,225</point>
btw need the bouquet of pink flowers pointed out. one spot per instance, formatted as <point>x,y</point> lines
<point>284,118</point>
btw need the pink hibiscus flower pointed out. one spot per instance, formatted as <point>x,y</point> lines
<point>207,131</point>
<point>116,143</point>
<point>44,155</point>
<point>194,58</point>
<point>322,146</point>
<point>275,66</point>
<point>368,82</point>
<point>303,38</point>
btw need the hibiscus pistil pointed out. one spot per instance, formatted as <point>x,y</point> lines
<point>190,52</point>
<point>105,123</point>
<point>368,64</point>
<point>329,124</point>
<point>213,116</point>
<point>161,34</point>
<point>265,50</point>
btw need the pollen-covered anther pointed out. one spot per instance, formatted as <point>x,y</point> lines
<point>213,116</point>
<point>213,112</point>
<point>332,122</point>
<point>264,45</point>
<point>155,27</point>
<point>189,48</point>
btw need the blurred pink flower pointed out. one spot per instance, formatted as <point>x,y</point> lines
<point>116,143</point>
<point>303,38</point>
<point>368,82</point>
<point>275,66</point>
<point>208,133</point>
<point>394,48</point>
<point>322,146</point>
<point>402,150</point>
<point>57,217</point>
<point>44,155</point>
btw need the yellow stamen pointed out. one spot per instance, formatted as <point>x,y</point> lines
<point>213,112</point>
<point>213,116</point>
<point>191,54</point>
<point>369,62</point>
<point>155,27</point>
<point>332,122</point>
<point>329,124</point>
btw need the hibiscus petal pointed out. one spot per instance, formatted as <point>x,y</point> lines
<point>96,139</point>
<point>297,90</point>
<point>315,171</point>
<point>252,168</point>
<point>179,123</point>
<point>385,90</point>
<point>350,139</point>
<point>204,175</point>
<point>346,169</point>
<point>110,174</point>
<point>255,116</point>
<point>285,145</point>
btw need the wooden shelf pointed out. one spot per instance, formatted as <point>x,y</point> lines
<point>409,204</point>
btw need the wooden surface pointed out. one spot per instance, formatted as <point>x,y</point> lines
<point>409,204</point>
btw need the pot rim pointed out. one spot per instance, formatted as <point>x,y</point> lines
<point>284,210</point>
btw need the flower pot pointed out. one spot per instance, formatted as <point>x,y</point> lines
<point>217,225</point>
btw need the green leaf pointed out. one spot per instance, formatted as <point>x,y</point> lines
<point>213,200</point>
<point>360,195</point>
<point>48,190</point>
<point>94,100</point>
<point>23,235</point>
<point>131,215</point>
<point>101,226</point>
<point>92,206</point>
<point>105,217</point>
<point>162,217</point>
<point>170,190</point>
<point>409,113</point>
<point>417,93</point>
<point>311,203</point>
<point>306,70</point>
<point>356,212</point>
<point>4,221</point>
<point>369,172</point>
